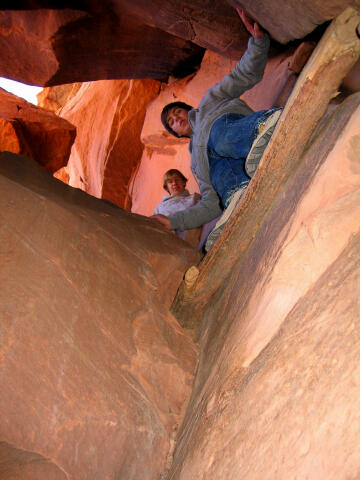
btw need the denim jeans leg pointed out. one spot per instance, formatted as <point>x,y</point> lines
<point>232,135</point>
<point>230,140</point>
<point>226,175</point>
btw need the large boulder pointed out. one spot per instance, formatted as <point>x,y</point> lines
<point>288,20</point>
<point>277,391</point>
<point>94,370</point>
<point>52,46</point>
<point>35,132</point>
<point>52,42</point>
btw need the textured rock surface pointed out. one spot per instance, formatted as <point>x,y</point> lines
<point>163,151</point>
<point>86,40</point>
<point>94,369</point>
<point>34,132</point>
<point>288,20</point>
<point>55,46</point>
<point>108,116</point>
<point>277,393</point>
<point>54,98</point>
<point>213,25</point>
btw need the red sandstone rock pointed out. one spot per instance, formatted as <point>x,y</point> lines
<point>94,370</point>
<point>277,392</point>
<point>63,174</point>
<point>34,132</point>
<point>11,138</point>
<point>289,20</point>
<point>55,46</point>
<point>25,42</point>
<point>213,25</point>
<point>352,79</point>
<point>108,116</point>
<point>54,98</point>
<point>136,38</point>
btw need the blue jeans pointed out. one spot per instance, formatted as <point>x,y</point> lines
<point>230,140</point>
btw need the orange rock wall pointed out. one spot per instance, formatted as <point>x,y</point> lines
<point>54,98</point>
<point>34,132</point>
<point>277,391</point>
<point>109,161</point>
<point>94,370</point>
<point>108,116</point>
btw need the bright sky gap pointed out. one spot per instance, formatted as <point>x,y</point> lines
<point>20,89</point>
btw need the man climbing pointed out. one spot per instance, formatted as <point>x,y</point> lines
<point>227,139</point>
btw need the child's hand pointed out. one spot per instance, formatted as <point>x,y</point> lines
<point>162,219</point>
<point>252,27</point>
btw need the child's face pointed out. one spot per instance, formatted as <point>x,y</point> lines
<point>177,119</point>
<point>175,184</point>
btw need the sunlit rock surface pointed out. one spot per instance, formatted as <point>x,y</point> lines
<point>94,370</point>
<point>277,392</point>
<point>108,116</point>
<point>34,132</point>
<point>54,98</point>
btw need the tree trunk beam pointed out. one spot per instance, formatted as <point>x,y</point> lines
<point>331,60</point>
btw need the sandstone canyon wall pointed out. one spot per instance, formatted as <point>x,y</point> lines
<point>108,116</point>
<point>122,150</point>
<point>277,390</point>
<point>98,379</point>
<point>34,132</point>
<point>94,370</point>
<point>52,43</point>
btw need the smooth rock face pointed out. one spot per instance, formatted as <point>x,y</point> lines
<point>277,392</point>
<point>108,116</point>
<point>288,20</point>
<point>94,370</point>
<point>18,464</point>
<point>34,132</point>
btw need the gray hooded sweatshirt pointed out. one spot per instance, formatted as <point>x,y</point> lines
<point>220,99</point>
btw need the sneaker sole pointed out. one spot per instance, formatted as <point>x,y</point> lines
<point>258,147</point>
<point>220,224</point>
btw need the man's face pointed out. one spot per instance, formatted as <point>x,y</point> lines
<point>175,184</point>
<point>177,119</point>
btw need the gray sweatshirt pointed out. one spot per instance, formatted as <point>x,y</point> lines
<point>220,99</point>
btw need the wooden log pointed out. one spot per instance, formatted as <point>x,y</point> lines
<point>336,53</point>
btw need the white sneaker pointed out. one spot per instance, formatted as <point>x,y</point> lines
<point>214,234</point>
<point>260,143</point>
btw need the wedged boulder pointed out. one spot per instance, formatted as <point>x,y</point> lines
<point>86,42</point>
<point>277,391</point>
<point>34,132</point>
<point>108,116</point>
<point>297,19</point>
<point>94,369</point>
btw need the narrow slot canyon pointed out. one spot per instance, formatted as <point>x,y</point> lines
<point>127,352</point>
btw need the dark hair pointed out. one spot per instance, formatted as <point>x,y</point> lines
<point>170,173</point>
<point>165,112</point>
